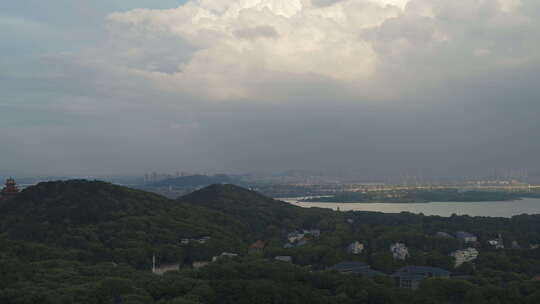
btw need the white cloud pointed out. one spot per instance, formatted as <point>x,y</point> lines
<point>247,49</point>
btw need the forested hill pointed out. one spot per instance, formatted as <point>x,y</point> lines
<point>263,215</point>
<point>82,202</point>
<point>114,223</point>
<point>93,242</point>
<point>225,196</point>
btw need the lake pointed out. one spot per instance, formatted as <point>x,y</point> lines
<point>493,209</point>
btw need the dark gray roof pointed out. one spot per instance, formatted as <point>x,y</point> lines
<point>423,270</point>
<point>367,272</point>
<point>408,276</point>
<point>354,267</point>
<point>463,234</point>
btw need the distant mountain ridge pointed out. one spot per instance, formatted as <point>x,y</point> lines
<point>194,181</point>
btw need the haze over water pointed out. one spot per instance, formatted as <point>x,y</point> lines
<point>492,209</point>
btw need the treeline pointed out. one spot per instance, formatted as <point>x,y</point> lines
<point>93,242</point>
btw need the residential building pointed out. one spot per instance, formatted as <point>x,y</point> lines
<point>444,235</point>
<point>224,255</point>
<point>301,243</point>
<point>497,243</point>
<point>466,237</point>
<point>313,232</point>
<point>464,255</point>
<point>201,240</point>
<point>161,269</point>
<point>411,276</point>
<point>357,268</point>
<point>349,267</point>
<point>355,248</point>
<point>282,258</point>
<point>399,251</point>
<point>200,264</point>
<point>294,237</point>
<point>257,247</point>
<point>408,280</point>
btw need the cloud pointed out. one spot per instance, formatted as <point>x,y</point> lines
<point>245,50</point>
<point>271,85</point>
<point>257,32</point>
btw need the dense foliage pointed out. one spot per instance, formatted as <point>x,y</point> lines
<point>92,242</point>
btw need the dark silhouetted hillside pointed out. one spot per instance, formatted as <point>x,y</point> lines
<point>110,222</point>
<point>260,212</point>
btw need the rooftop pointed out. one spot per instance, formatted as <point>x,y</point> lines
<point>349,266</point>
<point>423,270</point>
<point>258,245</point>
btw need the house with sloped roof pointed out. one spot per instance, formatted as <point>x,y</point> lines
<point>411,276</point>
<point>399,251</point>
<point>257,247</point>
<point>357,268</point>
<point>464,256</point>
<point>355,248</point>
<point>443,235</point>
<point>224,255</point>
<point>349,267</point>
<point>283,258</point>
<point>466,237</point>
<point>313,232</point>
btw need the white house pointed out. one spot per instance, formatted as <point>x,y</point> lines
<point>399,251</point>
<point>497,243</point>
<point>464,255</point>
<point>283,258</point>
<point>294,237</point>
<point>224,255</point>
<point>355,248</point>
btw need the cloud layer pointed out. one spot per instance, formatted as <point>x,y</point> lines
<point>269,85</point>
<point>377,49</point>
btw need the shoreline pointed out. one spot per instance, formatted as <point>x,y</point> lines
<point>404,203</point>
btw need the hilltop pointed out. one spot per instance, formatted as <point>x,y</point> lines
<point>192,181</point>
<point>82,202</point>
<point>259,212</point>
<point>116,223</point>
<point>225,196</point>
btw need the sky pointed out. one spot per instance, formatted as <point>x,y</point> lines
<point>123,87</point>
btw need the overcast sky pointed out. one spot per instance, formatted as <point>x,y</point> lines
<point>129,86</point>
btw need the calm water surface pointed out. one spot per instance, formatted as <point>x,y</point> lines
<point>494,209</point>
